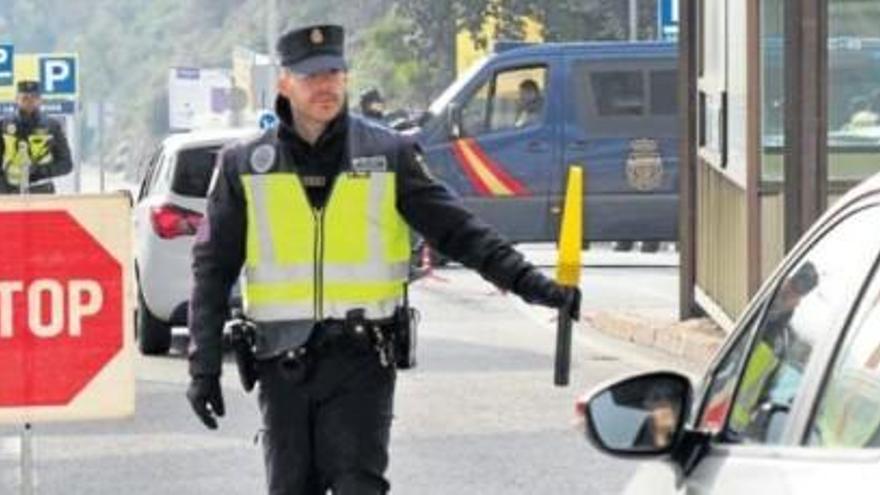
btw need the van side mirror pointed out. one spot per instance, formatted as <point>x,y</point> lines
<point>642,415</point>
<point>453,120</point>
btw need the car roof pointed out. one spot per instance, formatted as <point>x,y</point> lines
<point>191,139</point>
<point>595,49</point>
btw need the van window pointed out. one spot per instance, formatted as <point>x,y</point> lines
<point>619,93</point>
<point>514,98</point>
<point>664,92</point>
<point>193,172</point>
<point>623,98</point>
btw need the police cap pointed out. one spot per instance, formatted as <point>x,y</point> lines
<point>30,87</point>
<point>312,49</point>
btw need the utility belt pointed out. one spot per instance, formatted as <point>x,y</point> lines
<point>393,339</point>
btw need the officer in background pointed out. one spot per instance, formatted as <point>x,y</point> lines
<point>318,211</point>
<point>373,105</point>
<point>34,148</point>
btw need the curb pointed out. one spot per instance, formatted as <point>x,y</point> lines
<point>695,340</point>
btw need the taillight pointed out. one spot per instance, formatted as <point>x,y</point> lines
<point>170,221</point>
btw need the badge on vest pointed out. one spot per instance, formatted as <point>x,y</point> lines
<point>369,164</point>
<point>263,158</point>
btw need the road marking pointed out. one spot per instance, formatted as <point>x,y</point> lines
<point>10,448</point>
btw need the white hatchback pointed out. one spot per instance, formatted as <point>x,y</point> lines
<point>170,205</point>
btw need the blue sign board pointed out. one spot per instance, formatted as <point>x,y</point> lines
<point>58,75</point>
<point>667,20</point>
<point>7,66</point>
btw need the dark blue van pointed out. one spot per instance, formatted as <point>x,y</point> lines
<point>504,134</point>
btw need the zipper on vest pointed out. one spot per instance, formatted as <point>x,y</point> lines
<point>318,213</point>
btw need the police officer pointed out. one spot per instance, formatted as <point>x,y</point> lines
<point>372,105</point>
<point>34,148</point>
<point>318,211</point>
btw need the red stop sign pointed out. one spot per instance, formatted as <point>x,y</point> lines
<point>61,308</point>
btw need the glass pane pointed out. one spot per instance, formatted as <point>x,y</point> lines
<point>772,89</point>
<point>720,391</point>
<point>663,84</point>
<point>518,100</point>
<point>474,117</point>
<point>619,93</point>
<point>853,94</point>
<point>812,296</point>
<point>194,170</point>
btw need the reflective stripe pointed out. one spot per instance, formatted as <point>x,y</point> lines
<point>280,312</point>
<point>395,235</point>
<point>340,273</point>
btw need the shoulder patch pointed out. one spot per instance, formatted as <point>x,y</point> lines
<point>263,158</point>
<point>368,164</point>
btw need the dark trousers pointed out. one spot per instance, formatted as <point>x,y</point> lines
<point>327,420</point>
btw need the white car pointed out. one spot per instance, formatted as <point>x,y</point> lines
<point>791,402</point>
<point>170,205</point>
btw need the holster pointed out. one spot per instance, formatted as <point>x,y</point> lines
<point>242,336</point>
<point>405,334</point>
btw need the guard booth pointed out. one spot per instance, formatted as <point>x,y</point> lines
<point>781,116</point>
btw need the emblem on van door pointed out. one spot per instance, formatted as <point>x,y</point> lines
<point>644,167</point>
<point>262,158</point>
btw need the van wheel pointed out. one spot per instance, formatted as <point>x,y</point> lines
<point>154,335</point>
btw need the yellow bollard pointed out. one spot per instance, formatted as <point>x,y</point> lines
<point>568,271</point>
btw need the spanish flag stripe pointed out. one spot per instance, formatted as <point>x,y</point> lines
<point>484,170</point>
<point>497,170</point>
<point>475,179</point>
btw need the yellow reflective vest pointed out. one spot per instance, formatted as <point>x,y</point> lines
<point>309,264</point>
<point>18,153</point>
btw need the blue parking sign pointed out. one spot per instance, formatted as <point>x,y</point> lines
<point>58,75</point>
<point>7,67</point>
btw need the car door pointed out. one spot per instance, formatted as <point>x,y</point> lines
<point>508,158</point>
<point>621,125</point>
<point>757,446</point>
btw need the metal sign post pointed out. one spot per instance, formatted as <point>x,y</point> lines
<point>27,460</point>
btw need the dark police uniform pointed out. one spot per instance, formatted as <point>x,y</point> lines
<point>326,393</point>
<point>45,144</point>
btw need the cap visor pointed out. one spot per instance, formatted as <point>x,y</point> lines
<point>321,63</point>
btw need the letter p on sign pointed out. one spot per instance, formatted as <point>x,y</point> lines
<point>58,76</point>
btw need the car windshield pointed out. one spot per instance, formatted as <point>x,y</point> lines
<point>193,172</point>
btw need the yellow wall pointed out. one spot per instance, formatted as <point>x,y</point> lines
<point>465,52</point>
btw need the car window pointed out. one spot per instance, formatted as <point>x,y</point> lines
<point>148,174</point>
<point>809,299</point>
<point>513,99</point>
<point>848,412</point>
<point>158,174</point>
<point>719,395</point>
<point>192,174</point>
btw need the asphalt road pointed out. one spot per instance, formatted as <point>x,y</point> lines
<point>480,414</point>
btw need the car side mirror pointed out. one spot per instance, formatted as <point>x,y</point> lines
<point>639,416</point>
<point>453,120</point>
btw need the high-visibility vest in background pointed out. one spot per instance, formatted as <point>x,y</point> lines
<point>304,263</point>
<point>20,153</point>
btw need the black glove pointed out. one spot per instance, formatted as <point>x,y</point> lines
<point>536,288</point>
<point>206,399</point>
